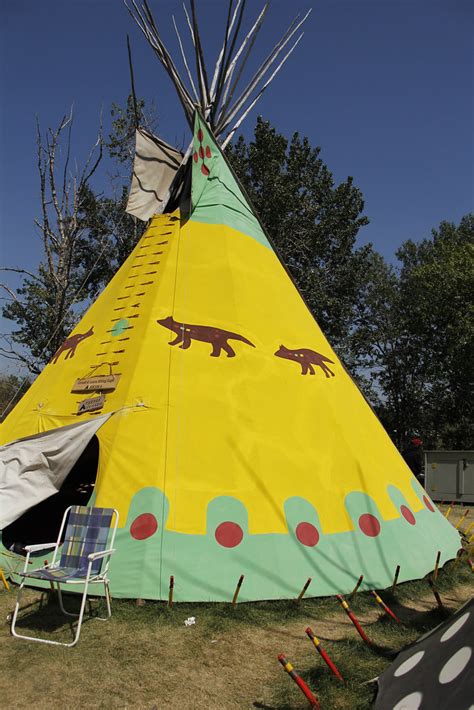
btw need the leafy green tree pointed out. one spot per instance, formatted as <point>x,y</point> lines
<point>12,390</point>
<point>413,337</point>
<point>312,221</point>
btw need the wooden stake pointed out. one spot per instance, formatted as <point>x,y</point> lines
<point>354,591</point>
<point>306,585</point>
<point>3,578</point>
<point>436,595</point>
<point>170,593</point>
<point>435,571</point>
<point>237,590</point>
<point>299,681</point>
<point>395,579</point>
<point>461,551</point>
<point>385,607</point>
<point>322,653</point>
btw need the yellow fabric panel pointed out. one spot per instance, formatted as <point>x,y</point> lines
<point>250,426</point>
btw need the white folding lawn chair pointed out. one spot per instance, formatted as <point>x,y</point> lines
<point>83,554</point>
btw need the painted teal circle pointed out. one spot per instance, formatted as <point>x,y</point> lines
<point>120,327</point>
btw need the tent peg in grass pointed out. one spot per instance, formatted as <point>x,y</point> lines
<point>323,653</point>
<point>4,580</point>
<point>170,593</point>
<point>302,593</point>
<point>395,579</point>
<point>436,595</point>
<point>354,591</point>
<point>237,590</point>
<point>461,551</point>
<point>470,563</point>
<point>468,529</point>
<point>354,619</point>
<point>436,567</point>
<point>461,520</point>
<point>299,681</point>
<point>471,539</point>
<point>385,607</point>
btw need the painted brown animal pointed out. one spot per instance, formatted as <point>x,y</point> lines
<point>186,333</point>
<point>306,358</point>
<point>70,344</point>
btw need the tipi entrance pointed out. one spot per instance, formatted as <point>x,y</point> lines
<point>41,523</point>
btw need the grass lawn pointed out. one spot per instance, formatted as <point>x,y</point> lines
<point>145,657</point>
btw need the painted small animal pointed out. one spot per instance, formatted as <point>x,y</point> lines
<point>185,333</point>
<point>70,344</point>
<point>306,358</point>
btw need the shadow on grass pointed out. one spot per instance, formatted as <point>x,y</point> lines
<point>44,614</point>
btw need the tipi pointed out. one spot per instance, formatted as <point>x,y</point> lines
<point>220,422</point>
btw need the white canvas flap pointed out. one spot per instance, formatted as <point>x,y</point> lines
<point>35,468</point>
<point>154,168</point>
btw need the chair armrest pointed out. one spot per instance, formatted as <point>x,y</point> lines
<point>43,546</point>
<point>97,555</point>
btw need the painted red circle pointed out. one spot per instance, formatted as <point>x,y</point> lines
<point>201,151</point>
<point>229,534</point>
<point>427,502</point>
<point>204,169</point>
<point>145,525</point>
<point>407,514</point>
<point>369,525</point>
<point>195,156</point>
<point>200,135</point>
<point>307,534</point>
<point>208,152</point>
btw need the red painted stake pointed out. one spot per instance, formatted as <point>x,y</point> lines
<point>385,607</point>
<point>299,681</point>
<point>353,618</point>
<point>323,653</point>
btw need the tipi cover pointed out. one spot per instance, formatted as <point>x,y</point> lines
<point>239,444</point>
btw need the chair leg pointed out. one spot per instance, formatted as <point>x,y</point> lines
<point>53,643</point>
<point>107,601</point>
<point>15,612</point>
<point>61,603</point>
<point>81,614</point>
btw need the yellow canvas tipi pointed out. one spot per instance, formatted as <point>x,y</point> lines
<point>236,443</point>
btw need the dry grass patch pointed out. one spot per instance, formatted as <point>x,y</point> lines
<point>145,657</point>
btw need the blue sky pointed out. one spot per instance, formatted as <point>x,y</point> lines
<point>383,86</point>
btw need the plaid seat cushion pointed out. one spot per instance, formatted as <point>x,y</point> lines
<point>56,574</point>
<point>87,532</point>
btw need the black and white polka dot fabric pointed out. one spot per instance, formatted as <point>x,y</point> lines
<point>435,672</point>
